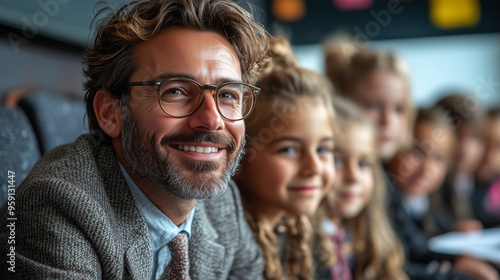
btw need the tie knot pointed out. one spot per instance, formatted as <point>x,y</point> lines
<point>179,243</point>
<point>178,268</point>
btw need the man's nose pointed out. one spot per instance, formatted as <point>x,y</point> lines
<point>207,117</point>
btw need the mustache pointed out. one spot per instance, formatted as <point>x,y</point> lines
<point>199,137</point>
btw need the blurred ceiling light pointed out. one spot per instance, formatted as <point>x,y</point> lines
<point>289,10</point>
<point>349,5</point>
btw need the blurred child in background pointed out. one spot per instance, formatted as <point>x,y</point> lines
<point>378,82</point>
<point>356,203</point>
<point>420,170</point>
<point>489,167</point>
<point>418,173</point>
<point>288,166</point>
<point>467,118</point>
<point>486,201</point>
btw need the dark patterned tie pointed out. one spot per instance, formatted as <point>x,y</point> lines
<point>178,267</point>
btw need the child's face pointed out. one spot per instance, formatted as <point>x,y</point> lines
<point>490,165</point>
<point>354,158</point>
<point>469,150</point>
<point>383,98</point>
<point>294,169</point>
<point>421,169</point>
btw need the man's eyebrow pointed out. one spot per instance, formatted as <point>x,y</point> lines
<point>174,75</point>
<point>188,76</point>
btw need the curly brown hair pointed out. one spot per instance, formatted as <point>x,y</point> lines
<point>109,61</point>
<point>297,254</point>
<point>286,85</point>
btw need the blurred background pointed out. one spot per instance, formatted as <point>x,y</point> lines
<point>447,44</point>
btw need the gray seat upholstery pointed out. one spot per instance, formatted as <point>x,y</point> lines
<point>56,119</point>
<point>18,147</point>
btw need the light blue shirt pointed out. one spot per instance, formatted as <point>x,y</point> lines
<point>161,229</point>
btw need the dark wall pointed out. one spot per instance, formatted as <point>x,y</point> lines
<point>385,19</point>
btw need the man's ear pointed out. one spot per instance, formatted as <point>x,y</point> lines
<point>108,113</point>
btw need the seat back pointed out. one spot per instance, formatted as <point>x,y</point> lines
<point>18,148</point>
<point>56,119</point>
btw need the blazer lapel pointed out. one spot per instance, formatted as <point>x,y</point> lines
<point>138,260</point>
<point>129,222</point>
<point>206,256</point>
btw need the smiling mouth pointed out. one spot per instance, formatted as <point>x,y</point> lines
<point>418,182</point>
<point>349,196</point>
<point>385,139</point>
<point>197,149</point>
<point>306,190</point>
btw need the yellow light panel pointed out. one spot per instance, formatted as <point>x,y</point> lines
<point>450,14</point>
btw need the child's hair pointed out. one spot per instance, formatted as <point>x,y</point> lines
<point>461,109</point>
<point>434,115</point>
<point>348,65</point>
<point>284,85</point>
<point>376,249</point>
<point>494,113</point>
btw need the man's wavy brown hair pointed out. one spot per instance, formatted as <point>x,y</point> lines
<point>109,62</point>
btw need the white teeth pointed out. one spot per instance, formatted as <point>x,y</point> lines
<point>198,149</point>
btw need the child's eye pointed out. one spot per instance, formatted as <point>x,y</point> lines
<point>324,150</point>
<point>364,164</point>
<point>417,154</point>
<point>399,109</point>
<point>438,158</point>
<point>287,150</point>
<point>371,106</point>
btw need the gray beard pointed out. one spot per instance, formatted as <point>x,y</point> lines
<point>155,164</point>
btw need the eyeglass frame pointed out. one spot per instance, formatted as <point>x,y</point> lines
<point>158,83</point>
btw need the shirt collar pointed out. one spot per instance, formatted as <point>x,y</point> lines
<point>161,229</point>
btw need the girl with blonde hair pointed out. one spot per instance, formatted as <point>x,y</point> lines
<point>356,203</point>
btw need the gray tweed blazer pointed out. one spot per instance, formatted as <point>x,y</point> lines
<point>76,219</point>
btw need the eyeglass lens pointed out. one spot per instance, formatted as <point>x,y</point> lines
<point>181,97</point>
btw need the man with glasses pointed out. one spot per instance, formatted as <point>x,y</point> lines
<point>145,195</point>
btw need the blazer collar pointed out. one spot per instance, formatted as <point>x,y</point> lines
<point>134,237</point>
<point>206,256</point>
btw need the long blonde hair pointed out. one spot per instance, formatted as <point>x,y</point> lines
<point>285,85</point>
<point>377,252</point>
